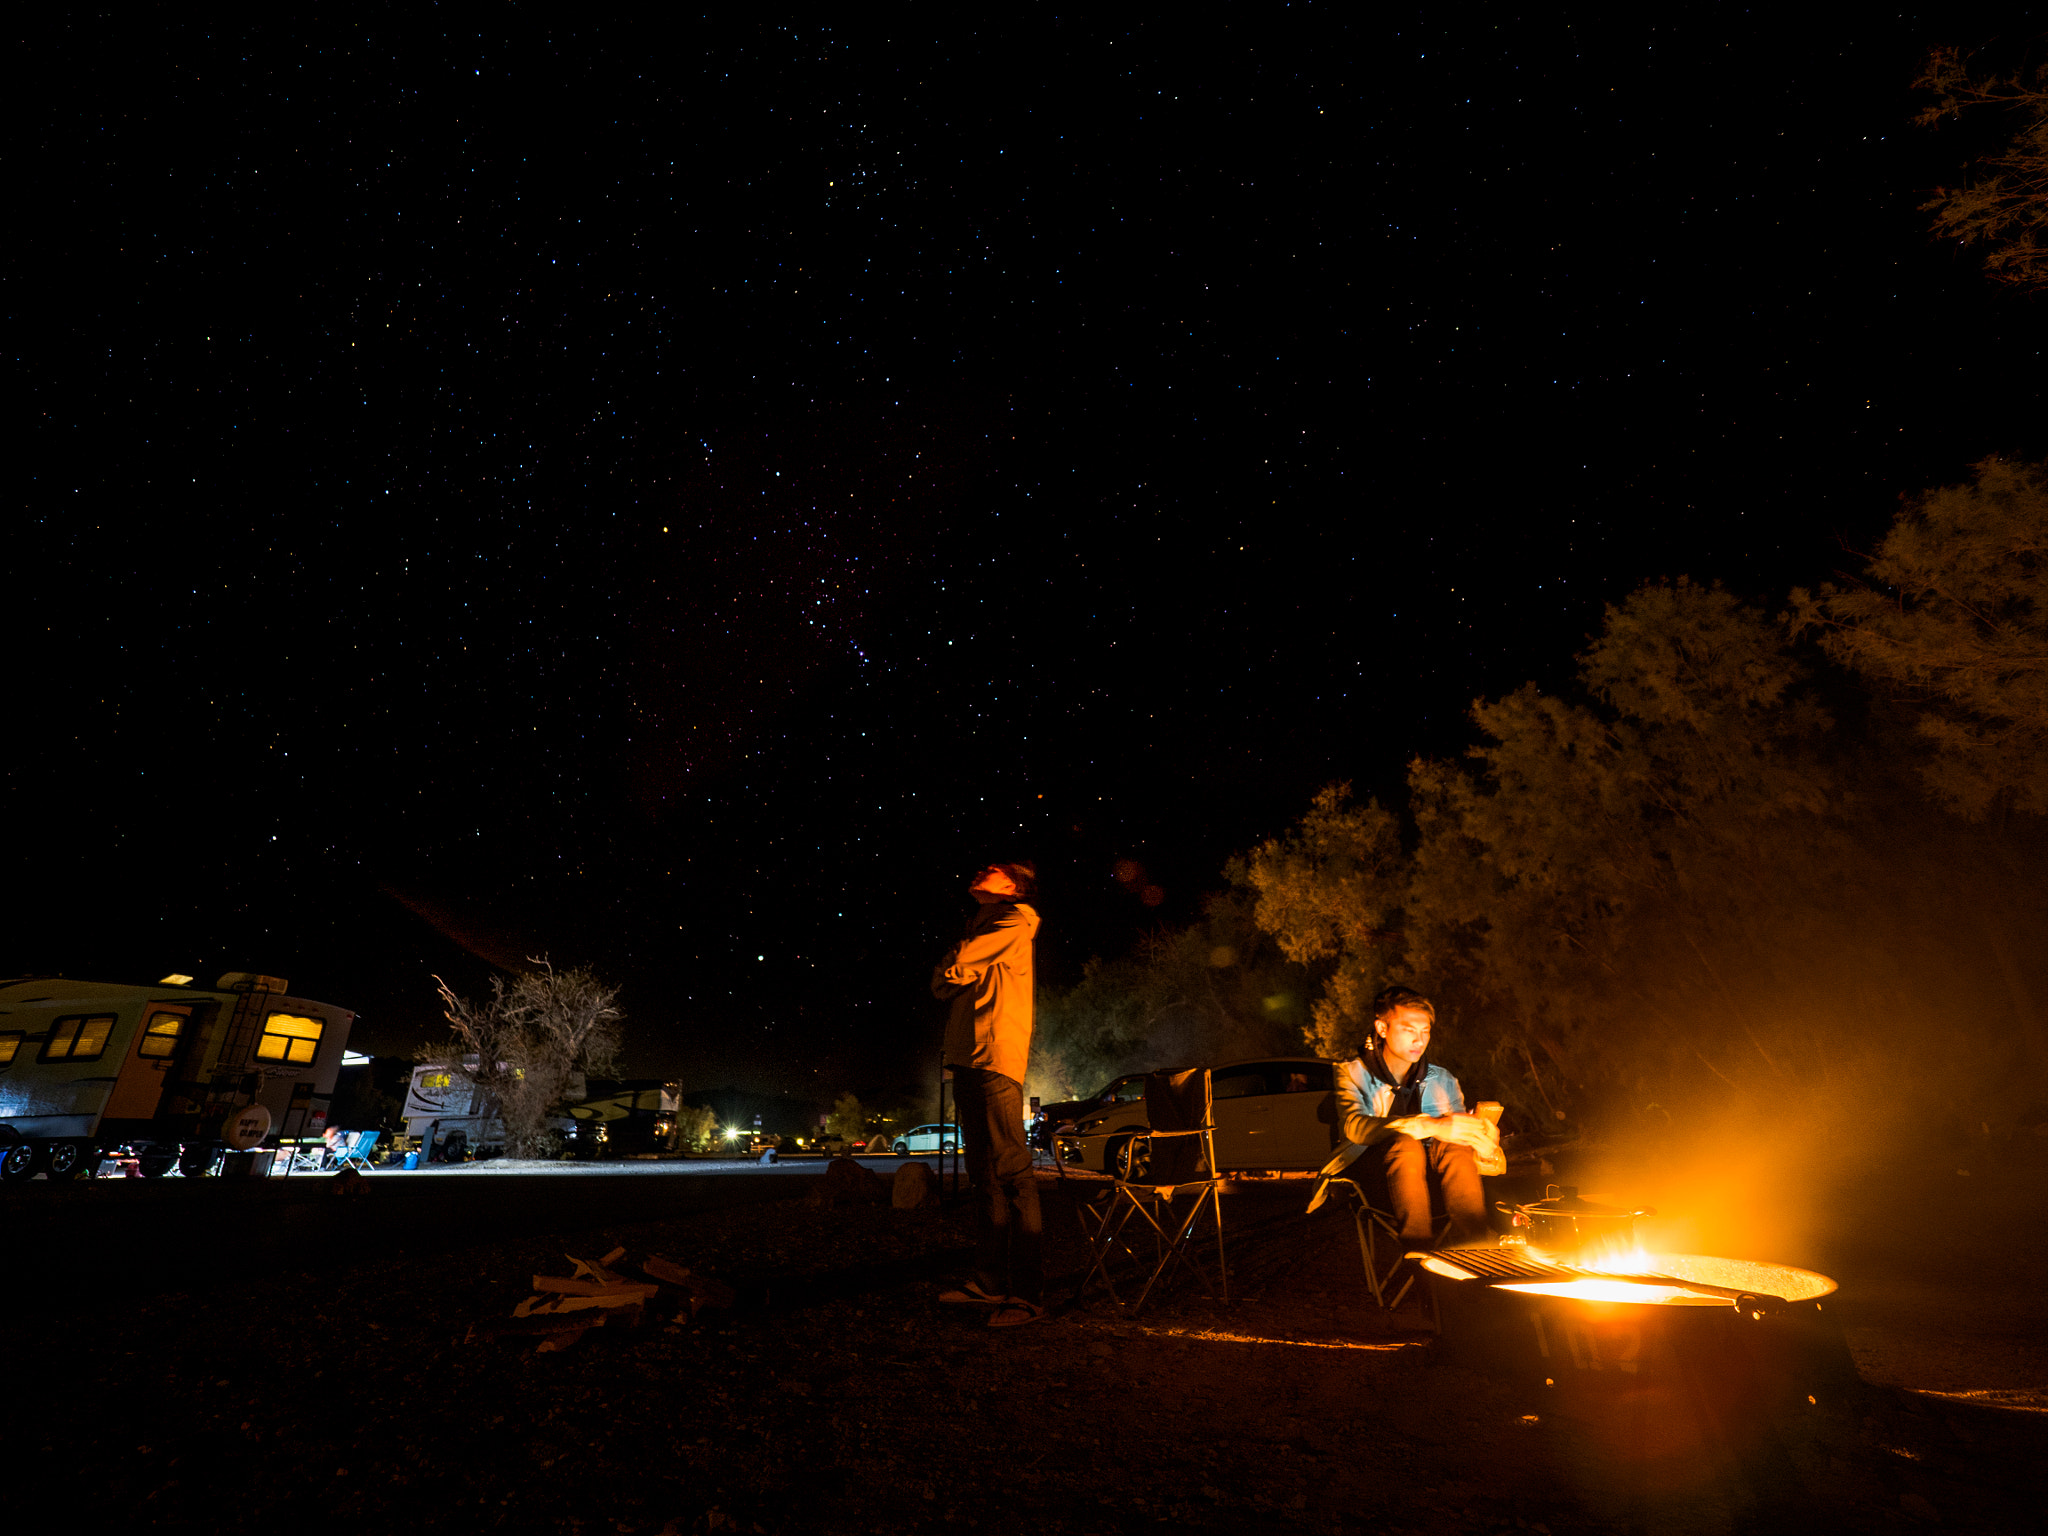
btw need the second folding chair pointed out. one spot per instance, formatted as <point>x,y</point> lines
<point>1174,1158</point>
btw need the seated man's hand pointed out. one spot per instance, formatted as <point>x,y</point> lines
<point>1473,1131</point>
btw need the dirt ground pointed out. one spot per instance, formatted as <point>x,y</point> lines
<point>344,1391</point>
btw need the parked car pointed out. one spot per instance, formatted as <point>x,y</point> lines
<point>1277,1113</point>
<point>927,1138</point>
<point>1054,1118</point>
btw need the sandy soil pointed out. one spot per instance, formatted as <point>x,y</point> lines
<point>337,1388</point>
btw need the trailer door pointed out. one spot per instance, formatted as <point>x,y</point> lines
<point>146,1071</point>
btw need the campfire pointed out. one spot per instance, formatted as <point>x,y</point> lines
<point>1634,1277</point>
<point>1668,1350</point>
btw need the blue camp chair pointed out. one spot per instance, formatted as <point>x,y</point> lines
<point>356,1154</point>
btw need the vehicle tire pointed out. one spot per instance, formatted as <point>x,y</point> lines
<point>18,1162</point>
<point>195,1160</point>
<point>73,1160</point>
<point>155,1165</point>
<point>901,1149</point>
<point>945,1146</point>
<point>1130,1159</point>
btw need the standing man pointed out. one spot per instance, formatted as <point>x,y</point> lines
<point>1409,1116</point>
<point>987,979</point>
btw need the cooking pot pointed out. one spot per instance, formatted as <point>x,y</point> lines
<point>1563,1223</point>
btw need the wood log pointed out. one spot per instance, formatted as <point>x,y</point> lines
<point>703,1290</point>
<point>633,1296</point>
<point>665,1269</point>
<point>586,1287</point>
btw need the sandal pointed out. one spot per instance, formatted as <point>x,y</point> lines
<point>1015,1312</point>
<point>971,1295</point>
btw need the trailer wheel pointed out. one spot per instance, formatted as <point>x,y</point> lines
<point>18,1162</point>
<point>74,1160</point>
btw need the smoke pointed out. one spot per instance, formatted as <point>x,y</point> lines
<point>1865,1035</point>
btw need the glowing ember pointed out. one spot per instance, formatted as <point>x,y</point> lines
<point>1631,1261</point>
<point>1619,1290</point>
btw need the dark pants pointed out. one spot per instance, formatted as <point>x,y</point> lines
<point>1411,1166</point>
<point>1007,1226</point>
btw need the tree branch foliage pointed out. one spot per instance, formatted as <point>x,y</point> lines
<point>1680,887</point>
<point>2004,208</point>
<point>847,1118</point>
<point>1215,990</point>
<point>1676,879</point>
<point>1951,618</point>
<point>527,1045</point>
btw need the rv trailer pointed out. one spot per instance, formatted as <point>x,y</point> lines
<point>170,1073</point>
<point>453,1118</point>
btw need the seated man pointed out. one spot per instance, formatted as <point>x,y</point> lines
<point>1409,1118</point>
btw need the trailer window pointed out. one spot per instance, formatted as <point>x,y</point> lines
<point>160,1036</point>
<point>79,1037</point>
<point>10,1044</point>
<point>289,1037</point>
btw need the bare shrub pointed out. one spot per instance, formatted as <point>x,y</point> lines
<point>528,1047</point>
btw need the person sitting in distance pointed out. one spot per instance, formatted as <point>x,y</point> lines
<point>1408,1117</point>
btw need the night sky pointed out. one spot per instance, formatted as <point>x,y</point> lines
<point>677,496</point>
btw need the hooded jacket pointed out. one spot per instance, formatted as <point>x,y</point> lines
<point>987,978</point>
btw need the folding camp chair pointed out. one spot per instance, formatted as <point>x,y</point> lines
<point>305,1157</point>
<point>1376,1224</point>
<point>356,1154</point>
<point>1176,1156</point>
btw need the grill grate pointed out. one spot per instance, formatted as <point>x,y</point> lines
<point>1498,1266</point>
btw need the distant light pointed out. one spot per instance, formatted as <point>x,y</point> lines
<point>354,1059</point>
<point>175,980</point>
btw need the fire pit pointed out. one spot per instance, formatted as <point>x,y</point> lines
<point>1687,1347</point>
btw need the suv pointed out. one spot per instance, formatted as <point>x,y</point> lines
<point>927,1138</point>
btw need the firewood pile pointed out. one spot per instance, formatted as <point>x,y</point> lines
<point>563,1308</point>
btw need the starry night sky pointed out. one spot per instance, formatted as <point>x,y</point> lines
<point>677,496</point>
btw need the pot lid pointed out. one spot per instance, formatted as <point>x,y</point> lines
<point>1563,1200</point>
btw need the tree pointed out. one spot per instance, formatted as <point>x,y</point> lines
<point>847,1119</point>
<point>1952,617</point>
<point>1570,884</point>
<point>1217,989</point>
<point>2005,210</point>
<point>529,1044</point>
<point>696,1128</point>
<point>1334,893</point>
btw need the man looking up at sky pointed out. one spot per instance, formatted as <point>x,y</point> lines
<point>987,978</point>
<point>1408,1116</point>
